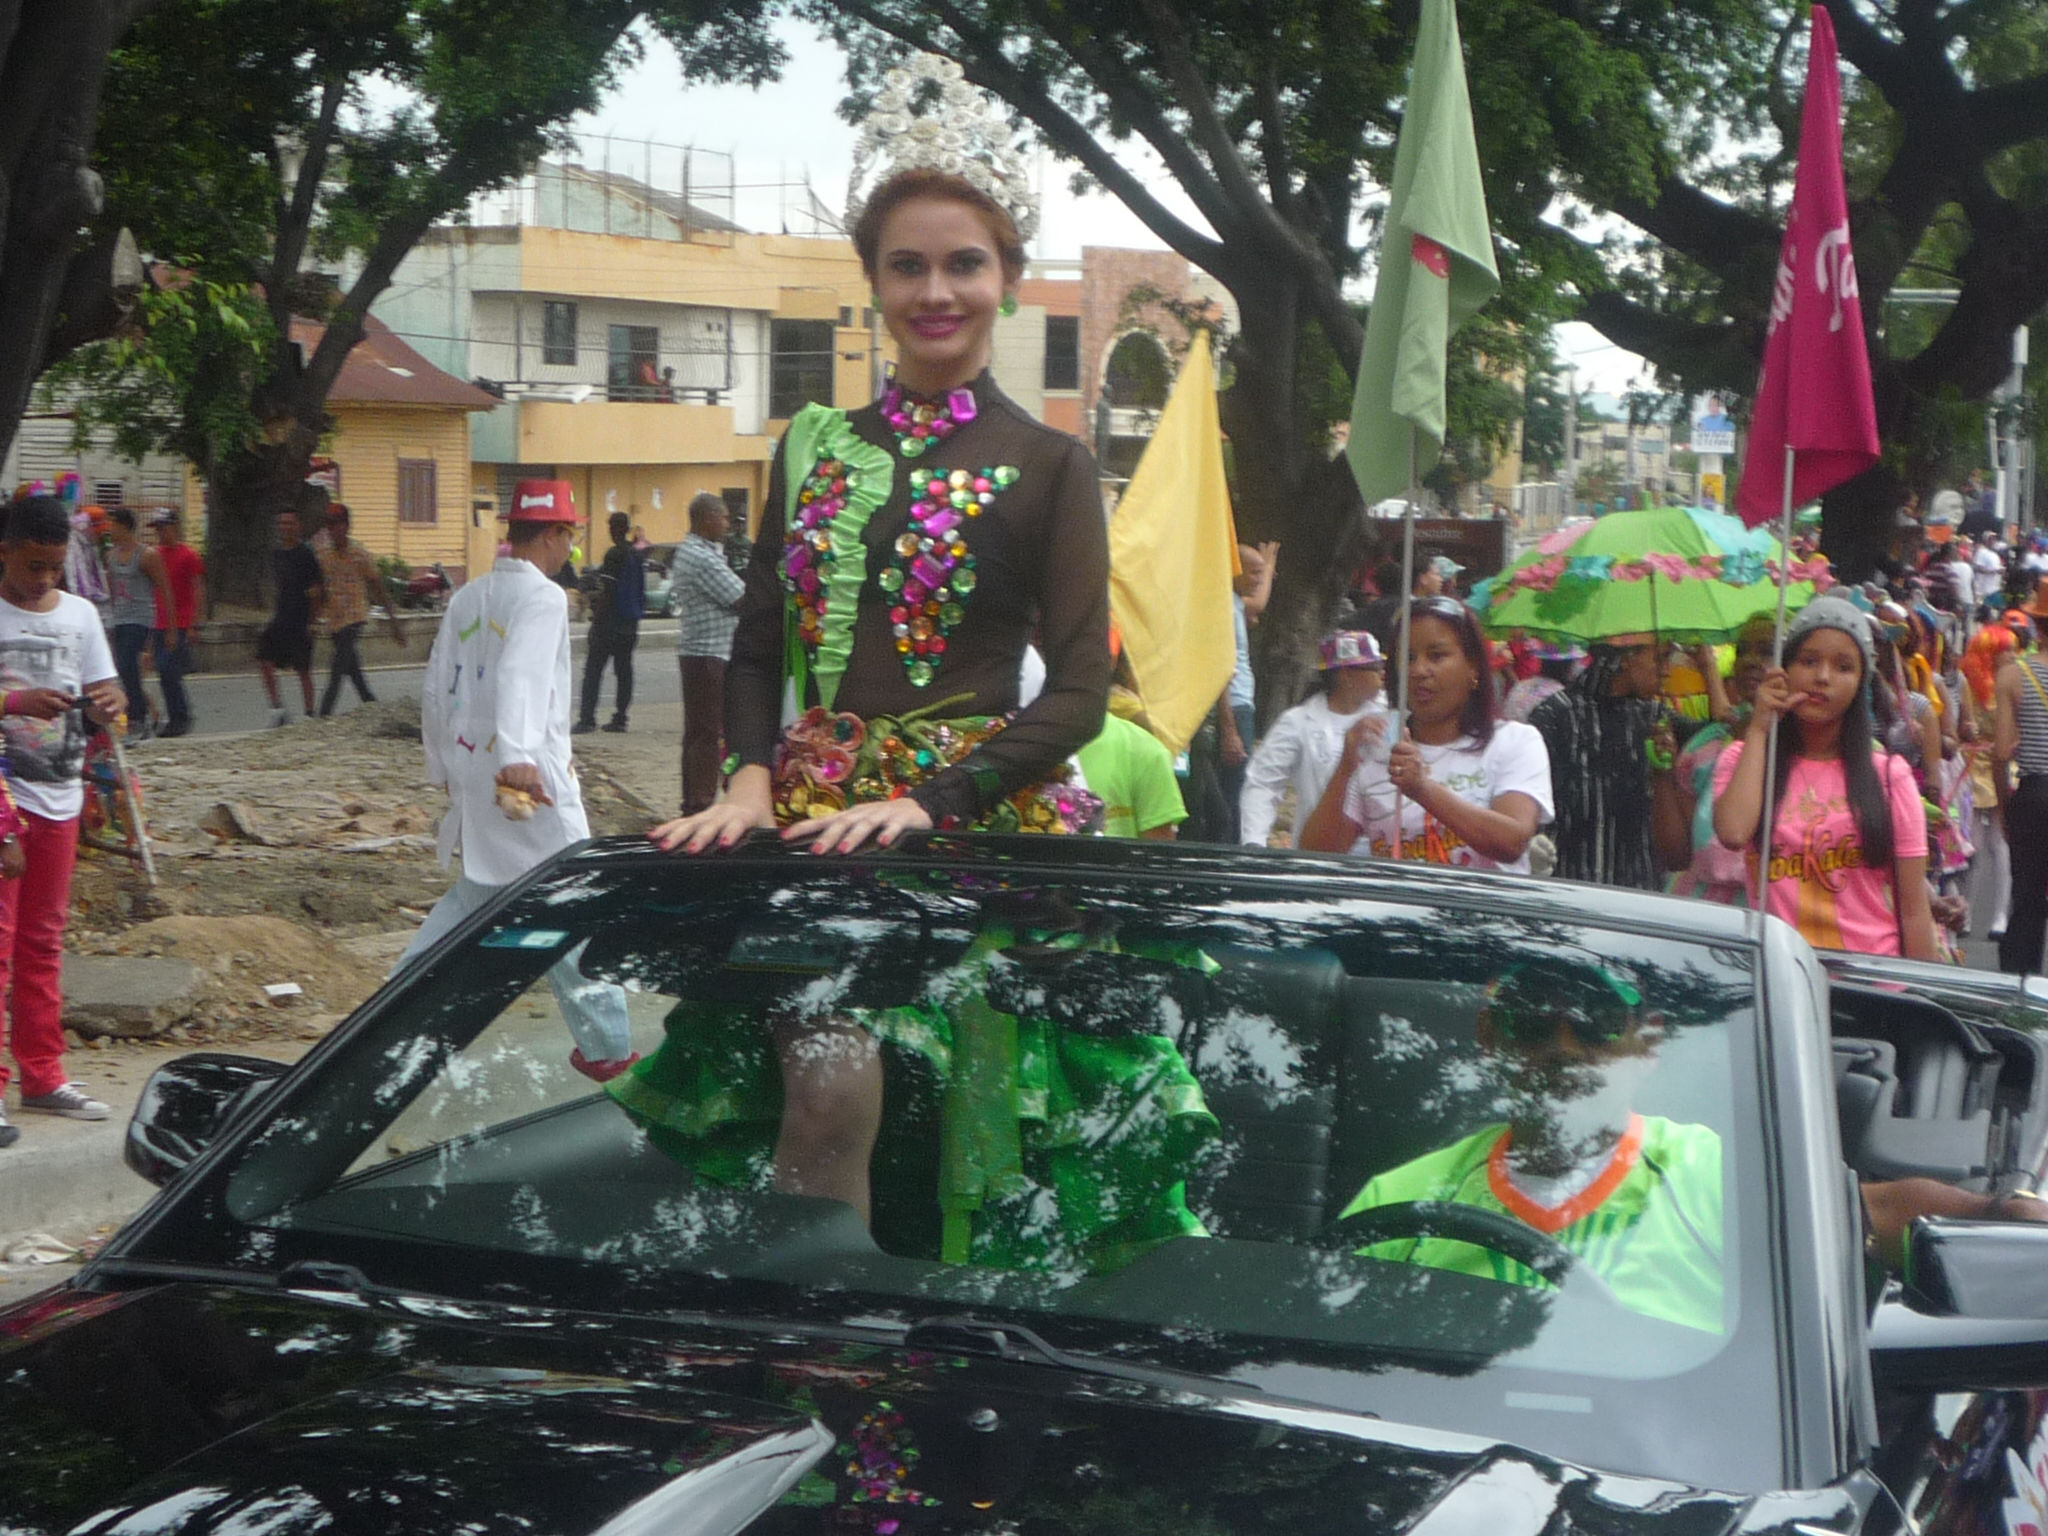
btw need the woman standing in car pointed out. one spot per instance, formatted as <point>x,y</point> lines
<point>1462,787</point>
<point>1848,842</point>
<point>908,552</point>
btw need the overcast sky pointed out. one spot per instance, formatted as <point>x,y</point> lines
<point>787,130</point>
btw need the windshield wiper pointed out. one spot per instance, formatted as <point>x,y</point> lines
<point>325,1275</point>
<point>965,1334</point>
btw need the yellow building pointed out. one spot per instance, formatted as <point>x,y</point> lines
<point>641,368</point>
<point>399,453</point>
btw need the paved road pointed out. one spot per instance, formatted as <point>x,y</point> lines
<point>230,705</point>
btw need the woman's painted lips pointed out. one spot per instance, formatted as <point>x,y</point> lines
<point>937,327</point>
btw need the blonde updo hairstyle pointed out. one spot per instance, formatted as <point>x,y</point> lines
<point>926,181</point>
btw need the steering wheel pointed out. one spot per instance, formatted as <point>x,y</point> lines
<point>1465,1224</point>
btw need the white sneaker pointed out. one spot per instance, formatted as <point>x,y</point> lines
<point>276,718</point>
<point>68,1100</point>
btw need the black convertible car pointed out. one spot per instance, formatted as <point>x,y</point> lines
<point>1177,1190</point>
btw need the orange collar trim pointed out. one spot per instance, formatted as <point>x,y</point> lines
<point>1555,1218</point>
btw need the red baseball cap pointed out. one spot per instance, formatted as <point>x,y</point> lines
<point>542,501</point>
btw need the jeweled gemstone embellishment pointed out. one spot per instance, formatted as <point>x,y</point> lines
<point>808,553</point>
<point>919,424</point>
<point>932,576</point>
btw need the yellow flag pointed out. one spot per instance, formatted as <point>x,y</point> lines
<point>1172,551</point>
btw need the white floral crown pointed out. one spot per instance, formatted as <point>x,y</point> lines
<point>965,138</point>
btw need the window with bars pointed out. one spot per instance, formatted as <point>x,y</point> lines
<point>1062,351</point>
<point>416,491</point>
<point>800,365</point>
<point>108,493</point>
<point>558,333</point>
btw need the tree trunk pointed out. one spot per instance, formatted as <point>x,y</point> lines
<point>54,67</point>
<point>1284,490</point>
<point>1317,559</point>
<point>1858,523</point>
<point>249,490</point>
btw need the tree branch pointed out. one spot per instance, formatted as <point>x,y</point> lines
<point>1273,140</point>
<point>295,219</point>
<point>2001,116</point>
<point>1258,217</point>
<point>1114,80</point>
<point>1721,351</point>
<point>345,325</point>
<point>1711,232</point>
<point>1066,133</point>
<point>1884,63</point>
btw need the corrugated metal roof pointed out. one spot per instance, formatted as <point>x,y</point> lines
<point>383,370</point>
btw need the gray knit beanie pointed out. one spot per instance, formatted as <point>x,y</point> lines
<point>1834,613</point>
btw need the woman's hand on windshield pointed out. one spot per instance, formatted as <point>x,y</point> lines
<point>747,805</point>
<point>844,831</point>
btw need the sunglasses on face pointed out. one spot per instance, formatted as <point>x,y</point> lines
<point>1533,1024</point>
<point>1525,1005</point>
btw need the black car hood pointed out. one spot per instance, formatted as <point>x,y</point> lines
<point>181,1410</point>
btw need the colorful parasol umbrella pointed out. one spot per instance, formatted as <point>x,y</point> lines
<point>1681,572</point>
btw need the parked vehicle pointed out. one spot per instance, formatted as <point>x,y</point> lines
<point>432,1279</point>
<point>425,589</point>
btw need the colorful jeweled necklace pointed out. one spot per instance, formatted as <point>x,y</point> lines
<point>807,550</point>
<point>919,421</point>
<point>932,576</point>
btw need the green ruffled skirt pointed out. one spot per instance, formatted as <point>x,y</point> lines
<point>1056,1150</point>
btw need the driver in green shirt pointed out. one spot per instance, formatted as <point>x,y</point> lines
<point>1636,1198</point>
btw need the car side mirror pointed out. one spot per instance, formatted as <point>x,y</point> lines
<point>1972,1315</point>
<point>185,1106</point>
<point>1982,1269</point>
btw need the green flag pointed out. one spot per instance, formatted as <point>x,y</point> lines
<point>1436,267</point>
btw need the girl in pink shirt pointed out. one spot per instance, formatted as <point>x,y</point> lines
<point>1848,845</point>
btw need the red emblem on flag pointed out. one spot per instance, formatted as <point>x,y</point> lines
<point>1430,254</point>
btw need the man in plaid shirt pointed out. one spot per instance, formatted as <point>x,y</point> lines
<point>707,597</point>
<point>349,586</point>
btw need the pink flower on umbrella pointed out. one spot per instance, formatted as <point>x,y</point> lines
<point>1670,567</point>
<point>1542,575</point>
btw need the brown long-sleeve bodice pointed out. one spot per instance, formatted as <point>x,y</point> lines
<point>1041,553</point>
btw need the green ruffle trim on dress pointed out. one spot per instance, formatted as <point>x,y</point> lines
<point>822,432</point>
<point>1059,1151</point>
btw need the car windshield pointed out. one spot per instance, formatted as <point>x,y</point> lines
<point>1453,1166</point>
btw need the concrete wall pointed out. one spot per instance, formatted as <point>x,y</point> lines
<point>1018,357</point>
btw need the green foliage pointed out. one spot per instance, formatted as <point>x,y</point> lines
<point>268,145</point>
<point>179,381</point>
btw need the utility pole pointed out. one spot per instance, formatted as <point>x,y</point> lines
<point>1571,439</point>
<point>2007,447</point>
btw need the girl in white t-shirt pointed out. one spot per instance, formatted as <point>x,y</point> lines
<point>1471,791</point>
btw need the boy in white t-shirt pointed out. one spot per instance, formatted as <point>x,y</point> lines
<point>53,660</point>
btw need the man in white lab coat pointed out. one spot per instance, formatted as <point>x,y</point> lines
<point>494,718</point>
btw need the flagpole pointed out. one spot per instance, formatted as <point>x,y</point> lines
<point>1407,606</point>
<point>1758,893</point>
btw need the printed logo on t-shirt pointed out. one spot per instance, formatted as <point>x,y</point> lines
<point>1823,856</point>
<point>1432,842</point>
<point>42,751</point>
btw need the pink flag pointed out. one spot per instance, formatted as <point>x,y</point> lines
<point>1814,393</point>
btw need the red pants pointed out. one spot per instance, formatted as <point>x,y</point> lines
<point>33,911</point>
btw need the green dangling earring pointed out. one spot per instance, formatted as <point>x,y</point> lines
<point>1008,307</point>
<point>874,301</point>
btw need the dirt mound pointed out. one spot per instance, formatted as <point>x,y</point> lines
<point>243,955</point>
<point>304,854</point>
<point>239,957</point>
